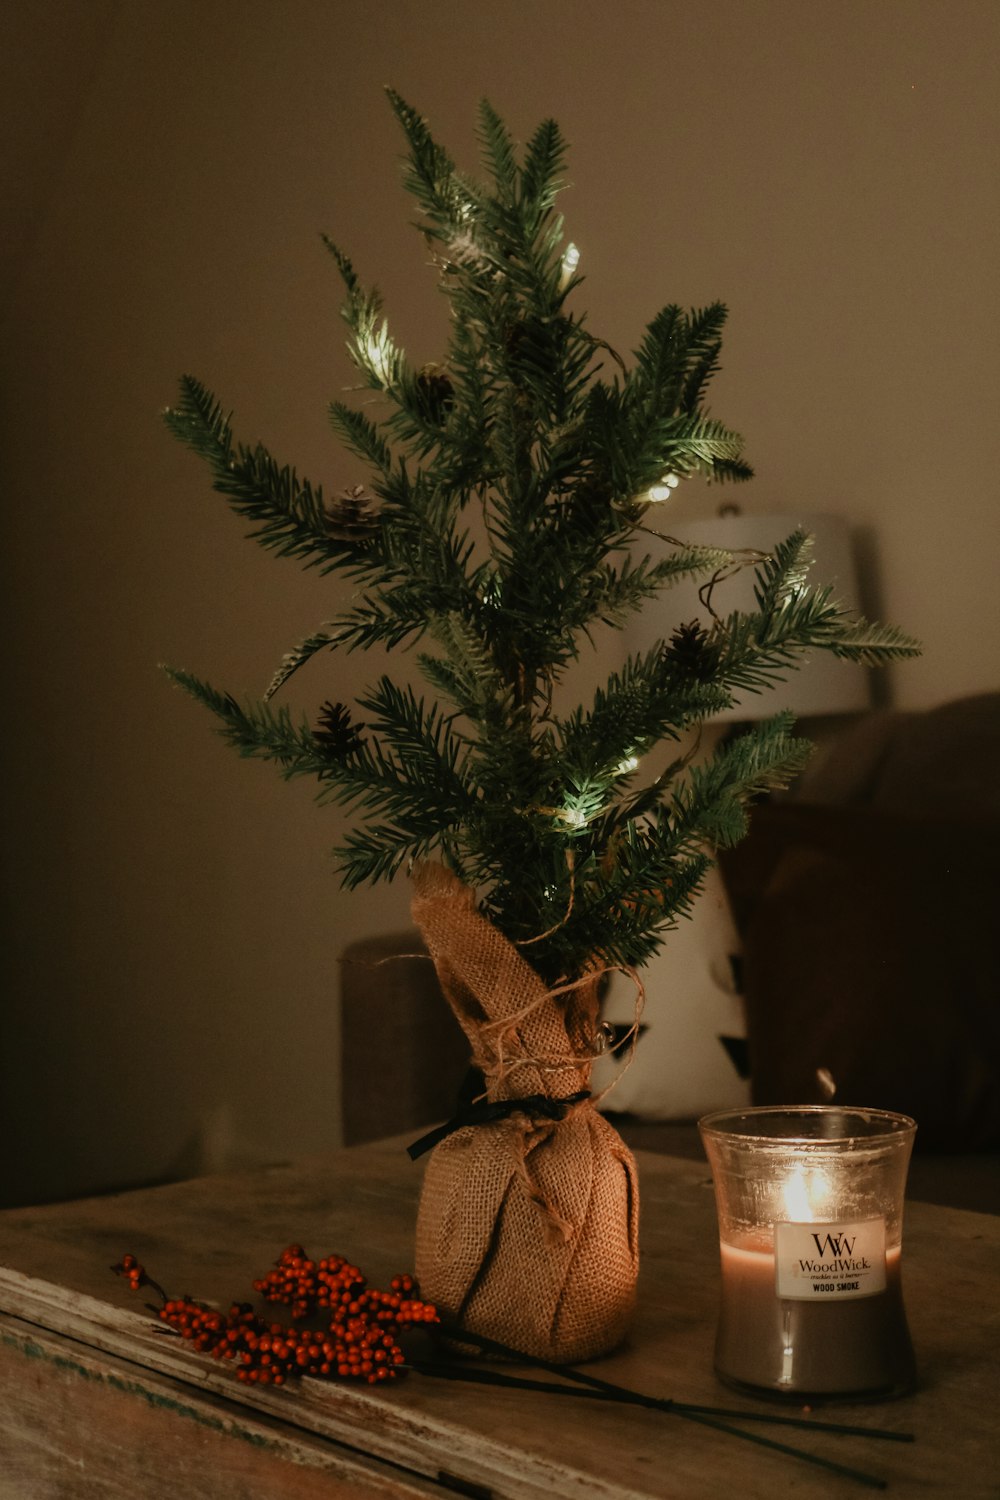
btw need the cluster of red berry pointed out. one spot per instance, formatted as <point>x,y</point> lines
<point>334,1284</point>
<point>359,1341</point>
<point>130,1268</point>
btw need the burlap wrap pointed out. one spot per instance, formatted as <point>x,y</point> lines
<point>528,1229</point>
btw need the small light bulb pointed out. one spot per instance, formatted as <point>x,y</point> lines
<point>570,261</point>
<point>378,353</point>
<point>574,817</point>
<point>630,763</point>
<point>672,480</point>
<point>657,492</point>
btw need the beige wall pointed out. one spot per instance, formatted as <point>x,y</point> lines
<point>828,169</point>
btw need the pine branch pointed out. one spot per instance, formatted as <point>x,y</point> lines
<point>298,656</point>
<point>410,770</point>
<point>704,344</point>
<point>427,574</point>
<point>370,347</point>
<point>733,469</point>
<point>541,178</point>
<point>391,618</point>
<point>478,689</point>
<point>632,895</point>
<point>422,739</point>
<point>498,152</point>
<point>782,576</point>
<point>614,594</point>
<point>287,512</point>
<point>623,910</point>
<point>872,645</point>
<point>678,356</point>
<point>361,436</point>
<point>712,805</point>
<point>430,174</point>
<point>643,703</point>
<point>755,651</point>
<point>345,267</point>
<point>256,730</point>
<point>199,422</point>
<point>378,852</point>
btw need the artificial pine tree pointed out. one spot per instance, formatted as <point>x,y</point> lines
<point>538,425</point>
<point>507,516</point>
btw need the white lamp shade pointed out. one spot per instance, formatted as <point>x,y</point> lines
<point>822,684</point>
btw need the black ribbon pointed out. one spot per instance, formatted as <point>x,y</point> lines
<point>486,1111</point>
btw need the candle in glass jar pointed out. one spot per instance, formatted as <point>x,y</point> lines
<point>810,1346</point>
<point>810,1228</point>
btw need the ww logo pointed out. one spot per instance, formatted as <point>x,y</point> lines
<point>837,1244</point>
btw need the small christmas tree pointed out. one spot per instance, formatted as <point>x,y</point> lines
<point>507,514</point>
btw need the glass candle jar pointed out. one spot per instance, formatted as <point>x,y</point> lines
<point>810,1207</point>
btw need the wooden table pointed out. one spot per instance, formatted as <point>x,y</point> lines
<point>96,1400</point>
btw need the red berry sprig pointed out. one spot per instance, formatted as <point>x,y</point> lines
<point>333,1285</point>
<point>136,1276</point>
<point>358,1343</point>
<point>130,1267</point>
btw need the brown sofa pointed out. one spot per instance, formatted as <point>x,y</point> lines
<point>866,906</point>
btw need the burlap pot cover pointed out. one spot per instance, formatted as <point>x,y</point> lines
<point>528,1228</point>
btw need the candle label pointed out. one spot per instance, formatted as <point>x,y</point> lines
<point>830,1262</point>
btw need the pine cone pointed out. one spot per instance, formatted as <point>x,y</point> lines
<point>437,394</point>
<point>352,516</point>
<point>691,653</point>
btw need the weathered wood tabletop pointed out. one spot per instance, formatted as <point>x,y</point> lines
<point>97,1400</point>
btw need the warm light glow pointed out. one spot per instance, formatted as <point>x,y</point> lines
<point>630,763</point>
<point>664,490</point>
<point>377,352</point>
<point>570,261</point>
<point>574,817</point>
<point>806,1193</point>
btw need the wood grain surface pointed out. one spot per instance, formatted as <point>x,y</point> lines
<point>97,1400</point>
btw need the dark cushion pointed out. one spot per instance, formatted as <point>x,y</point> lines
<point>404,1058</point>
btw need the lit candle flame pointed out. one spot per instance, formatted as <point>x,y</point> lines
<point>807,1194</point>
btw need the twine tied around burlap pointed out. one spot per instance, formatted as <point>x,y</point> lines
<point>528,1225</point>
